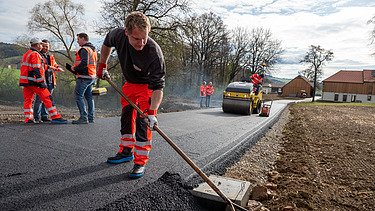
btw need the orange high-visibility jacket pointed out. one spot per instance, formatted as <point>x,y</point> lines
<point>209,89</point>
<point>32,69</point>
<point>203,90</point>
<point>91,63</point>
<point>256,79</point>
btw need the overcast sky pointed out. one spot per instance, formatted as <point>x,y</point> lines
<point>337,25</point>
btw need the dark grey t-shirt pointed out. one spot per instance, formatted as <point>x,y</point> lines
<point>141,67</point>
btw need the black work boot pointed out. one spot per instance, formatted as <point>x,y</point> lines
<point>80,121</point>
<point>137,171</point>
<point>125,156</point>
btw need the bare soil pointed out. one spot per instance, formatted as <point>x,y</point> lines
<point>319,157</point>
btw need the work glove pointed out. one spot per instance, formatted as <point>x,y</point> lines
<point>102,72</point>
<point>152,119</point>
<point>68,67</point>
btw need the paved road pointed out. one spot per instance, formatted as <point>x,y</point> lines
<point>62,167</point>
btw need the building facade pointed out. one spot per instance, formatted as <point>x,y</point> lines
<point>298,87</point>
<point>350,86</point>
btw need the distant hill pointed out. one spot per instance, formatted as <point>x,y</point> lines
<point>274,80</point>
<point>10,50</point>
<point>11,54</point>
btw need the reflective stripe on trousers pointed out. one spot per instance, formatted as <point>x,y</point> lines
<point>43,93</point>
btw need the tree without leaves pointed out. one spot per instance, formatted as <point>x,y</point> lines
<point>239,48</point>
<point>263,49</point>
<point>372,34</point>
<point>252,49</point>
<point>164,15</point>
<point>206,34</point>
<point>59,17</point>
<point>316,57</point>
<point>310,74</point>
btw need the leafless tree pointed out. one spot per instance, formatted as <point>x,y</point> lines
<point>206,34</point>
<point>372,34</point>
<point>59,17</point>
<point>310,74</point>
<point>164,15</point>
<point>264,50</point>
<point>316,57</point>
<point>254,51</point>
<point>240,44</point>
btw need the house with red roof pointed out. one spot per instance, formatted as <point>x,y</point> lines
<point>350,86</point>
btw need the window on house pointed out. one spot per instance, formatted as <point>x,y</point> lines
<point>369,98</point>
<point>336,97</point>
<point>353,98</point>
<point>344,98</point>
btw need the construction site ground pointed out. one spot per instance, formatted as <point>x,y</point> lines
<point>320,157</point>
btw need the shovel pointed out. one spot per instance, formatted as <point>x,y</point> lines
<point>179,151</point>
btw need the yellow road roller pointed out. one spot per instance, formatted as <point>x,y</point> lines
<point>239,97</point>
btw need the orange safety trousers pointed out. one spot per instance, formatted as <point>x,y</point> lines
<point>45,96</point>
<point>135,133</point>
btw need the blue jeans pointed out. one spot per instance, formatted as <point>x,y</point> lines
<point>208,100</point>
<point>84,90</point>
<point>40,110</point>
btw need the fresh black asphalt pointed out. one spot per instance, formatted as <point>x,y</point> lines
<point>63,167</point>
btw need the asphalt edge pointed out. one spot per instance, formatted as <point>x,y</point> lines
<point>219,165</point>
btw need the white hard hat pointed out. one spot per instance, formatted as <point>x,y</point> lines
<point>35,40</point>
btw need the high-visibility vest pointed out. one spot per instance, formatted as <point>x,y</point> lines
<point>91,63</point>
<point>209,89</point>
<point>31,62</point>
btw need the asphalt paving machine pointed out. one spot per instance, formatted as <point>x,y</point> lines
<point>239,97</point>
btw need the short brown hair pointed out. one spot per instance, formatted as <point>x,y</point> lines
<point>84,36</point>
<point>137,19</point>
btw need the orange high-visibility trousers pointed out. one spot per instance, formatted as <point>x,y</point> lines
<point>45,96</point>
<point>135,132</point>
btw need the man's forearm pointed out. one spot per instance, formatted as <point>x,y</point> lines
<point>104,54</point>
<point>156,98</point>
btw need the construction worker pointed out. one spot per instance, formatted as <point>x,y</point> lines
<point>143,66</point>
<point>209,91</point>
<point>32,80</point>
<point>51,67</point>
<point>202,93</point>
<point>257,80</point>
<point>85,70</point>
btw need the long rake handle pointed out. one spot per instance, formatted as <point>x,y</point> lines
<point>179,151</point>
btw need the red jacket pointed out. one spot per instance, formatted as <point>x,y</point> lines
<point>203,90</point>
<point>32,69</point>
<point>209,89</point>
